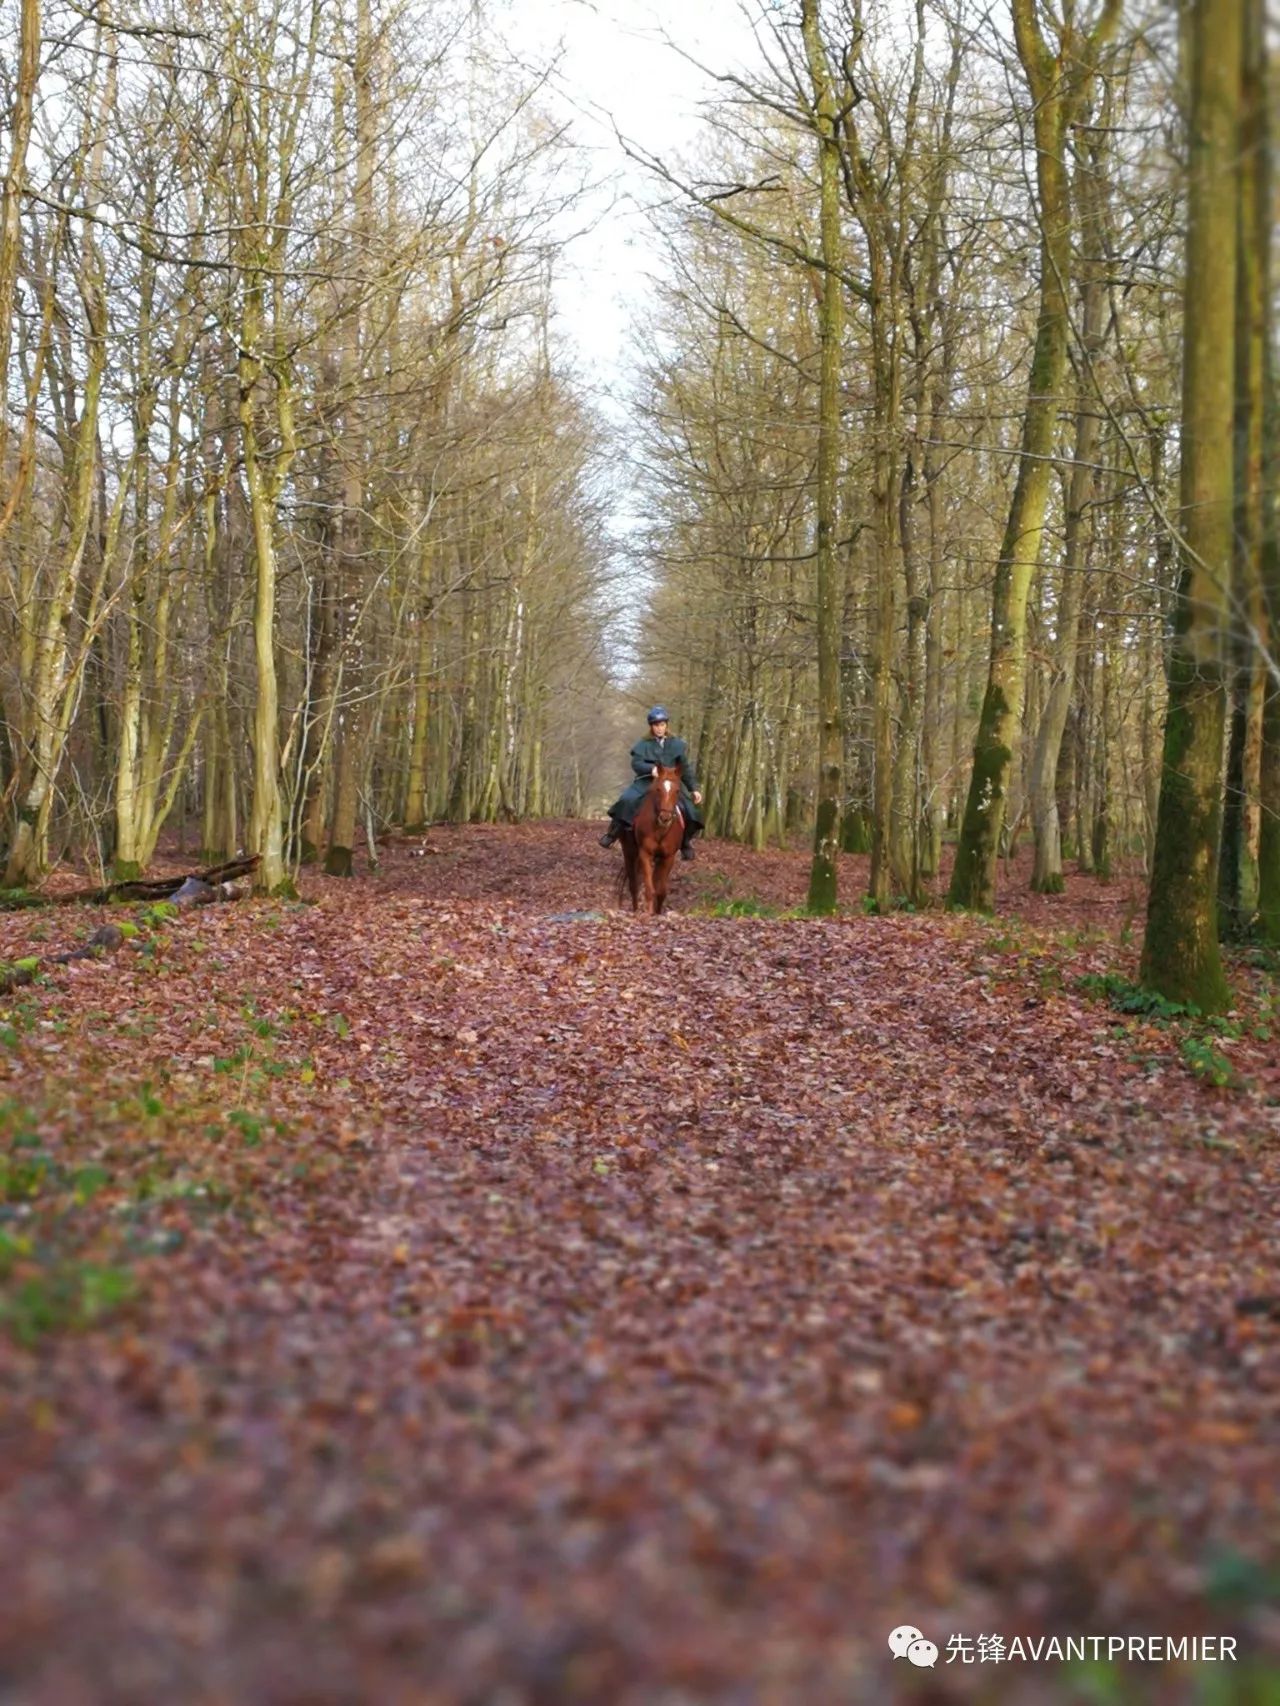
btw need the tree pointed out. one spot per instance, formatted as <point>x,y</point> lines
<point>1046,875</point>
<point>1180,958</point>
<point>1059,81</point>
<point>826,829</point>
<point>51,666</point>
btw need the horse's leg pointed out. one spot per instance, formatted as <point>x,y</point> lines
<point>661,878</point>
<point>663,864</point>
<point>646,873</point>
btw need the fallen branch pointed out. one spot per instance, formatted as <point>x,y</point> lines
<point>104,939</point>
<point>199,891</point>
<point>139,888</point>
<point>168,888</point>
<point>180,892</point>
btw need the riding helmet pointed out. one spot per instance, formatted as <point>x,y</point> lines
<point>659,715</point>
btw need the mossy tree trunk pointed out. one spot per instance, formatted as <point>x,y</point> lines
<point>1180,959</point>
<point>1269,488</point>
<point>1269,768</point>
<point>266,823</point>
<point>1102,830</point>
<point>351,720</point>
<point>826,833</point>
<point>1046,824</point>
<point>263,146</point>
<point>50,676</point>
<point>1058,83</point>
<point>20,120</point>
<point>1242,806</point>
<point>415,798</point>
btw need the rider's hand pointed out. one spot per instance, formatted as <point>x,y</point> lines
<point>697,799</point>
<point>654,771</point>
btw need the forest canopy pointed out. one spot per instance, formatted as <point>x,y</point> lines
<point>952,428</point>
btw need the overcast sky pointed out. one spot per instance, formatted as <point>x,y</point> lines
<point>617,69</point>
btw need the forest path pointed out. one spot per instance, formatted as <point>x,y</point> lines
<point>612,1310</point>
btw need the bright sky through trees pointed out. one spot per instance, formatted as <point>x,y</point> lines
<point>628,64</point>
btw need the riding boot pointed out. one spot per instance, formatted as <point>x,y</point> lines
<point>612,833</point>
<point>691,834</point>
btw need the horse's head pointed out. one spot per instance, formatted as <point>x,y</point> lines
<point>666,789</point>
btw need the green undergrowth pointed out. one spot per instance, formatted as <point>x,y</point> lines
<point>19,900</point>
<point>1198,1033</point>
<point>1262,957</point>
<point>899,903</point>
<point>726,905</point>
<point>1249,1683</point>
<point>41,1292</point>
<point>121,1155</point>
<point>1051,963</point>
<point>85,1196</point>
<point>1043,963</point>
<point>739,906</point>
<point>750,906</point>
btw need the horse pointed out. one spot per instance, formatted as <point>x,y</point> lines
<point>652,841</point>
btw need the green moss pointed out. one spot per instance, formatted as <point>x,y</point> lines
<point>1053,883</point>
<point>65,1295</point>
<point>1208,1063</point>
<point>822,873</point>
<point>338,862</point>
<point>742,906</point>
<point>1180,956</point>
<point>973,878</point>
<point>17,900</point>
<point>855,831</point>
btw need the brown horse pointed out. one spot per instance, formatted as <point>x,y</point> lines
<point>651,843</point>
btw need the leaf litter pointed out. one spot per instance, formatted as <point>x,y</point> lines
<point>512,1306</point>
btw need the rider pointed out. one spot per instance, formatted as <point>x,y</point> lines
<point>646,755</point>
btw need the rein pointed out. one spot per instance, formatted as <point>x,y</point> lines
<point>666,815</point>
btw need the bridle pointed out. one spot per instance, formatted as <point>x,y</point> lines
<point>670,791</point>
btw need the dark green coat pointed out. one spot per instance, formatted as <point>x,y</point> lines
<point>644,755</point>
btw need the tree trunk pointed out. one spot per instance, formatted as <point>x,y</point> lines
<point>20,121</point>
<point>1057,88</point>
<point>1046,874</point>
<point>46,684</point>
<point>266,823</point>
<point>415,801</point>
<point>822,873</point>
<point>1241,823</point>
<point>1180,957</point>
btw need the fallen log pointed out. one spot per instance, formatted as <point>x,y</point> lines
<point>138,888</point>
<point>199,891</point>
<point>180,892</point>
<point>165,888</point>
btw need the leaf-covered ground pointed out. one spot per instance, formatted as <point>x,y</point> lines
<point>435,1293</point>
